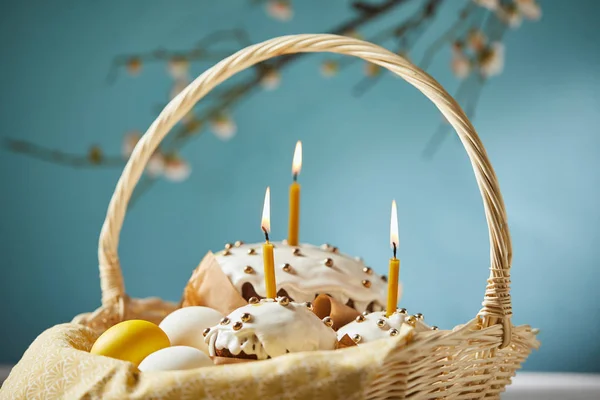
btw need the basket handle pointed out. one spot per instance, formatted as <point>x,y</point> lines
<point>496,303</point>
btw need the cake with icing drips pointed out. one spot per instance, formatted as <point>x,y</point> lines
<point>269,328</point>
<point>304,271</point>
<point>369,327</point>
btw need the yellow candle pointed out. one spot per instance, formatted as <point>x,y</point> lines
<point>294,217</point>
<point>392,297</point>
<point>268,260</point>
<point>394,269</point>
<point>269,270</point>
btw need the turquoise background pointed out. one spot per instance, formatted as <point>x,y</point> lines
<point>539,121</point>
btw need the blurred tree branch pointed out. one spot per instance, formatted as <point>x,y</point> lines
<point>469,90</point>
<point>233,94</point>
<point>448,36</point>
<point>200,52</point>
<point>94,158</point>
<point>406,34</point>
<point>476,55</point>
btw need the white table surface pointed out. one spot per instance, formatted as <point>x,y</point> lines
<point>526,385</point>
<point>554,386</point>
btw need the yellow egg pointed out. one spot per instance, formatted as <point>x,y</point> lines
<point>131,341</point>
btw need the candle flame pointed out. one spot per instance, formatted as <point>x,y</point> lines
<point>297,161</point>
<point>266,215</point>
<point>394,226</point>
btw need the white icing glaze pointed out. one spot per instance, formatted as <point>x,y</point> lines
<point>308,275</point>
<point>369,331</point>
<point>272,331</point>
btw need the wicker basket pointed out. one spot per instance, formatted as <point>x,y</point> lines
<point>474,360</point>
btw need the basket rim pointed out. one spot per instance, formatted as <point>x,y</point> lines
<point>497,307</point>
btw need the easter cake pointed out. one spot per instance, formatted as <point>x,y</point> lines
<point>269,328</point>
<point>304,271</point>
<point>369,327</point>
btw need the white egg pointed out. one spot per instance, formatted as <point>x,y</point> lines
<point>184,326</point>
<point>175,358</point>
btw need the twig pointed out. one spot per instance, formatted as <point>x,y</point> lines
<point>229,96</point>
<point>366,83</point>
<point>448,36</point>
<point>240,36</point>
<point>445,128</point>
<point>474,100</point>
<point>65,158</point>
<point>247,87</point>
<point>199,52</point>
<point>398,31</point>
<point>416,25</point>
<point>93,159</point>
<point>364,7</point>
<point>413,24</point>
<point>232,95</point>
<point>495,30</point>
<point>435,141</point>
<point>195,54</point>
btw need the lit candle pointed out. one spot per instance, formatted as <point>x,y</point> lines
<point>294,221</point>
<point>394,270</point>
<point>268,261</point>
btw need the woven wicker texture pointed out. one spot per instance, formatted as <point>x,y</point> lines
<point>475,360</point>
<point>496,304</point>
<point>437,365</point>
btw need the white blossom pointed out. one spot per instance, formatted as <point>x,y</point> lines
<point>129,141</point>
<point>176,169</point>
<point>489,4</point>
<point>134,66</point>
<point>510,15</point>
<point>280,9</point>
<point>156,164</point>
<point>271,79</point>
<point>329,68</point>
<point>491,60</point>
<point>461,65</point>
<point>530,9</point>
<point>223,126</point>
<point>476,40</point>
<point>179,68</point>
